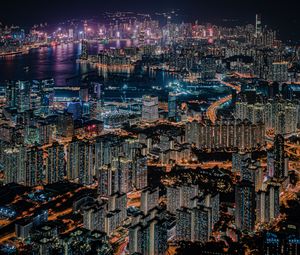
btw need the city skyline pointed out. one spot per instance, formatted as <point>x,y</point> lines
<point>280,17</point>
<point>149,132</point>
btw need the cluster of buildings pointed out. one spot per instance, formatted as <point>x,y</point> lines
<point>56,135</point>
<point>277,114</point>
<point>257,192</point>
<point>225,133</point>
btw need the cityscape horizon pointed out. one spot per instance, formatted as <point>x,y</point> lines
<point>149,132</point>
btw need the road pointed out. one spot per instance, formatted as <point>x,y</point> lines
<point>212,109</point>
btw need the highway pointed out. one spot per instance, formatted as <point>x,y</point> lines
<point>212,109</point>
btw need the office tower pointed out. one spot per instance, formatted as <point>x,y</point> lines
<point>94,216</point>
<point>245,205</point>
<point>258,25</point>
<point>271,244</point>
<point>55,163</point>
<point>149,199</point>
<point>24,226</point>
<point>173,107</point>
<point>84,49</point>
<point>279,157</point>
<point>150,108</point>
<point>22,96</point>
<point>141,38</point>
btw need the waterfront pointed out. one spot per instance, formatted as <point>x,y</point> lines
<point>60,63</point>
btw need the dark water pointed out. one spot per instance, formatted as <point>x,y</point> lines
<point>55,62</point>
<point>60,63</point>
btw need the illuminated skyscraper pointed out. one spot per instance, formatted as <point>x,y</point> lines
<point>279,157</point>
<point>258,25</point>
<point>55,163</point>
<point>172,107</point>
<point>123,174</point>
<point>14,164</point>
<point>106,185</point>
<point>193,224</point>
<point>34,167</point>
<point>245,205</point>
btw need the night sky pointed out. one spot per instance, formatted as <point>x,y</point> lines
<point>278,14</point>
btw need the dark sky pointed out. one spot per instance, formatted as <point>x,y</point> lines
<point>281,14</point>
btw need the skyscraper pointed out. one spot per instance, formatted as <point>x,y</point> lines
<point>55,163</point>
<point>149,199</point>
<point>258,25</point>
<point>94,216</point>
<point>279,157</point>
<point>245,205</point>
<point>172,107</point>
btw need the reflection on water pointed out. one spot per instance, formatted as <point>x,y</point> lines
<point>60,63</point>
<point>56,62</point>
